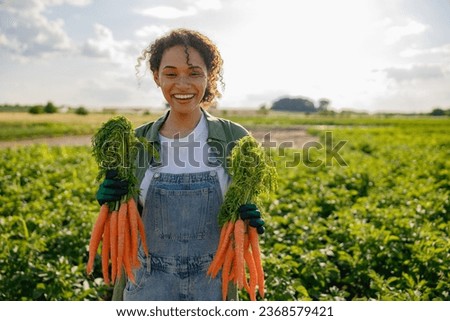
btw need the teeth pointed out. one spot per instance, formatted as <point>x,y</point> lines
<point>184,96</point>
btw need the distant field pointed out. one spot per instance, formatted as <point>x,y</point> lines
<point>15,126</point>
<point>23,125</point>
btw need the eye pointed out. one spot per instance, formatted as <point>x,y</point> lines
<point>197,74</point>
<point>170,74</point>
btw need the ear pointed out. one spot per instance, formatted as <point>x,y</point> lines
<point>156,78</point>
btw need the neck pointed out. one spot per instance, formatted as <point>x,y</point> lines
<point>181,124</point>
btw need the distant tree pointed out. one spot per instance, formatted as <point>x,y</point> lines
<point>323,104</point>
<point>294,104</point>
<point>50,108</point>
<point>36,110</point>
<point>263,109</point>
<point>437,112</point>
<point>81,111</point>
<point>14,108</point>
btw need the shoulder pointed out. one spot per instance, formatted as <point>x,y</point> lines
<point>146,129</point>
<point>237,130</point>
<point>142,130</point>
<point>225,129</point>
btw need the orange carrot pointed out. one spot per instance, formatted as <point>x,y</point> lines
<point>232,276</point>
<point>229,258</point>
<point>133,221</point>
<point>96,236</point>
<point>253,273</point>
<point>113,242</point>
<point>254,242</point>
<point>106,245</point>
<point>121,230</point>
<point>219,257</point>
<point>127,253</point>
<point>132,206</point>
<point>239,231</point>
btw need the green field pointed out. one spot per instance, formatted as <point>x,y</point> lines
<point>16,126</point>
<point>368,221</point>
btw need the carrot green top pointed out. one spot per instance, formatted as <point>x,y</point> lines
<point>114,147</point>
<point>253,175</point>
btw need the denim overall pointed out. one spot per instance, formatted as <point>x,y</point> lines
<point>180,218</point>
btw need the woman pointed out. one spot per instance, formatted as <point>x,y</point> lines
<point>183,184</point>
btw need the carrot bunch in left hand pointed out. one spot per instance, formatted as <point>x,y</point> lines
<point>118,225</point>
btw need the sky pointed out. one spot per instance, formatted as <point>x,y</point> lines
<point>362,55</point>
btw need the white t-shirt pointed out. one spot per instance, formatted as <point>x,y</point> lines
<point>188,154</point>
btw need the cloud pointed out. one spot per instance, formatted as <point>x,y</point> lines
<point>443,51</point>
<point>206,4</point>
<point>395,32</point>
<point>171,12</point>
<point>413,96</point>
<point>27,32</point>
<point>78,3</point>
<point>165,12</point>
<point>104,45</point>
<point>415,72</point>
<point>150,32</point>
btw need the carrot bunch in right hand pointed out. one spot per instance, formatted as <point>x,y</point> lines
<point>238,254</point>
<point>239,258</point>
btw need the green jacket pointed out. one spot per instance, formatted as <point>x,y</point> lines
<point>222,135</point>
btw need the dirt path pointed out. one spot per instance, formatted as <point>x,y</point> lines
<point>295,137</point>
<point>51,141</point>
<point>291,137</point>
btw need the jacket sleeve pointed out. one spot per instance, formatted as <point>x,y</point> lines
<point>119,287</point>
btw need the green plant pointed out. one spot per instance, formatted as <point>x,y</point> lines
<point>46,213</point>
<point>81,111</point>
<point>36,110</point>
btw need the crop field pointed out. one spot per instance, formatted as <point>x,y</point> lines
<point>362,212</point>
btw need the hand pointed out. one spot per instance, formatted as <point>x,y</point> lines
<point>111,189</point>
<point>251,212</point>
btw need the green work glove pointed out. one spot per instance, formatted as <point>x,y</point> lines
<point>111,189</point>
<point>251,212</point>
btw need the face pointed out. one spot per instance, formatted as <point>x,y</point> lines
<point>182,85</point>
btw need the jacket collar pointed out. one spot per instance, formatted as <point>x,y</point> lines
<point>215,128</point>
<point>153,135</point>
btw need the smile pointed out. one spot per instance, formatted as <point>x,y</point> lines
<point>184,97</point>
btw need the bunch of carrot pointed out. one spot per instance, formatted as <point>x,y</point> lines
<point>238,254</point>
<point>118,230</point>
<point>118,225</point>
<point>239,248</point>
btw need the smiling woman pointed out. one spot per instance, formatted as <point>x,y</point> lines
<point>182,189</point>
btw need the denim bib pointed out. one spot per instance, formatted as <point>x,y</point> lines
<point>180,218</point>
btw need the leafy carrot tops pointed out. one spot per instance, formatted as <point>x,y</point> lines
<point>253,177</point>
<point>119,224</point>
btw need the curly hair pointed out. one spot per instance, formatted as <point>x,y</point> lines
<point>152,55</point>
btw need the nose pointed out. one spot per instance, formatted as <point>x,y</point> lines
<point>182,81</point>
